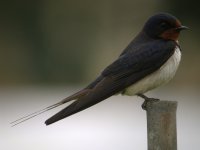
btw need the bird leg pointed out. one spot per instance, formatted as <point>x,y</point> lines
<point>146,100</point>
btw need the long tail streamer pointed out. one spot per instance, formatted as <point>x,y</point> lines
<point>29,116</point>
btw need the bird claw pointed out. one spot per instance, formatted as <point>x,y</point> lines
<point>147,100</point>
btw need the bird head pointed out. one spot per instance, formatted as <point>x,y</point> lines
<point>163,25</point>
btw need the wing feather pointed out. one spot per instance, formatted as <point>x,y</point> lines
<point>125,71</point>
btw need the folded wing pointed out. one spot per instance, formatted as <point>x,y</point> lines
<point>125,71</point>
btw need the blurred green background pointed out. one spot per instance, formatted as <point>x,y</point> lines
<point>69,42</point>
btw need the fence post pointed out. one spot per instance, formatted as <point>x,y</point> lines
<point>161,125</point>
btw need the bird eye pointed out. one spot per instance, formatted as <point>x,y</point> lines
<point>163,25</point>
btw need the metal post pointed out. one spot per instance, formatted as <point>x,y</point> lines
<point>161,125</point>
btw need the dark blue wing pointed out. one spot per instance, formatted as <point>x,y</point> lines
<point>125,71</point>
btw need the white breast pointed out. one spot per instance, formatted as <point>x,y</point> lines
<point>157,78</point>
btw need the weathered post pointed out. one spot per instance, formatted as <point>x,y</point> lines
<point>161,125</point>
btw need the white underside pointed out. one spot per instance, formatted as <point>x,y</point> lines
<point>157,78</point>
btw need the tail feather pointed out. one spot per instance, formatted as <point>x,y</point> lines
<point>100,92</point>
<point>80,104</point>
<point>73,108</point>
<point>34,114</point>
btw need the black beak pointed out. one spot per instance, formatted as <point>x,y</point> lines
<point>181,28</point>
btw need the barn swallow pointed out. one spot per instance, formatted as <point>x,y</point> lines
<point>149,61</point>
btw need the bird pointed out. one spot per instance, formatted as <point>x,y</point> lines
<point>149,61</point>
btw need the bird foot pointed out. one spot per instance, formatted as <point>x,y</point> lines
<point>147,100</point>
